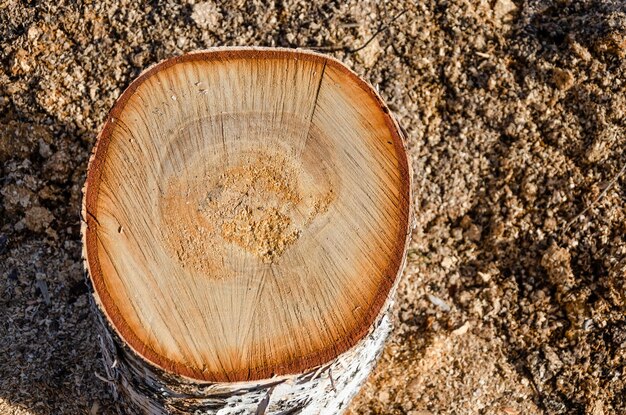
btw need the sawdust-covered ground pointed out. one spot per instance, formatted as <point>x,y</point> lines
<point>514,297</point>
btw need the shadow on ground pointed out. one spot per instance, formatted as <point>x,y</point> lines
<point>49,352</point>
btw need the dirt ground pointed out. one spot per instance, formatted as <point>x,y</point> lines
<point>514,296</point>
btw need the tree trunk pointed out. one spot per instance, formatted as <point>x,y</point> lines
<point>245,220</point>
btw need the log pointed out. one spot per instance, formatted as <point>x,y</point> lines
<point>246,215</point>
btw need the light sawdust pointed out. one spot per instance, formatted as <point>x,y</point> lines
<point>321,205</point>
<point>265,232</point>
<point>254,205</point>
<point>258,218</point>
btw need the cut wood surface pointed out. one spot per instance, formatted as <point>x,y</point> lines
<point>246,213</point>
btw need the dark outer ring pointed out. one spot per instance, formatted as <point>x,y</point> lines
<point>303,363</point>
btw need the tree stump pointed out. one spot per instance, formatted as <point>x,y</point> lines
<point>245,220</point>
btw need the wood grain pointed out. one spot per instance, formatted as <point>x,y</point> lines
<point>246,213</point>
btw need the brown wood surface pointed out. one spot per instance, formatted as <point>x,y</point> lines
<point>247,213</point>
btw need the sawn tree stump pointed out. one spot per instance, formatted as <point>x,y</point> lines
<point>245,219</point>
